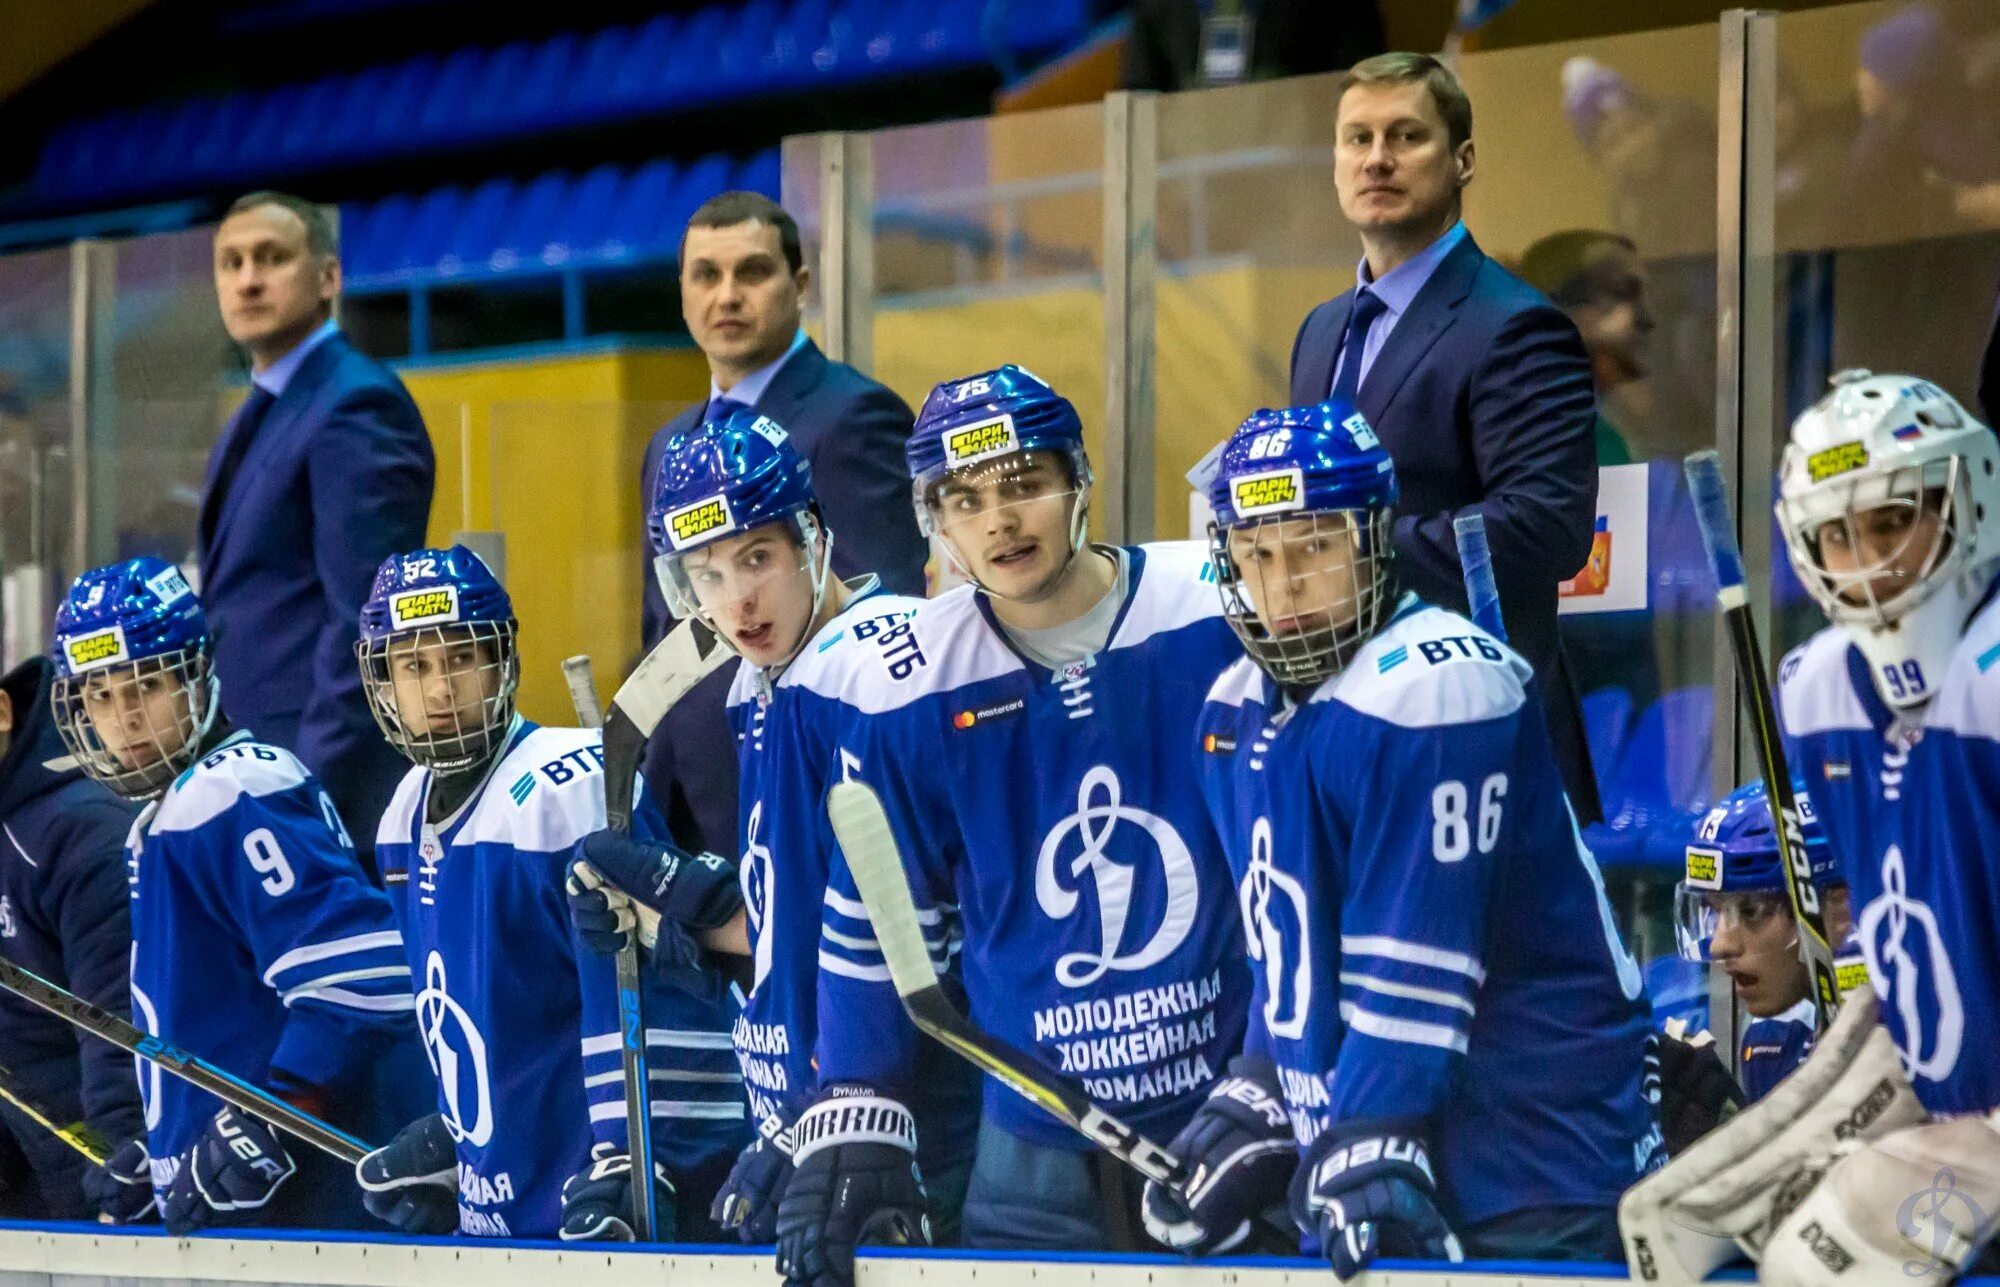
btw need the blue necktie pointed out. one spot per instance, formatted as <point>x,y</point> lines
<point>1367,307</point>
<point>722,406</point>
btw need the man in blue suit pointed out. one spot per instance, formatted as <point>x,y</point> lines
<point>743,279</point>
<point>1479,387</point>
<point>323,472</point>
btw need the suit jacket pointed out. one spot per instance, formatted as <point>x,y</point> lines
<point>854,432</point>
<point>1483,397</point>
<point>338,478</point>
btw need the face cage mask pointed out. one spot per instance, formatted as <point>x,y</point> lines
<point>1805,520</point>
<point>923,496</point>
<point>1305,658</point>
<point>815,559</point>
<point>172,750</point>
<point>466,742</point>
<point>1697,920</point>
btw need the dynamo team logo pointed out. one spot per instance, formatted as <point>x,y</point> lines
<point>457,1053</point>
<point>1100,814</point>
<point>1274,910</point>
<point>759,888</point>
<point>1913,972</point>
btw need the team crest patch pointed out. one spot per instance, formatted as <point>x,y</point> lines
<point>96,649</point>
<point>1704,868</point>
<point>1835,461</point>
<point>169,587</point>
<point>699,521</point>
<point>981,441</point>
<point>1276,491</point>
<point>423,607</point>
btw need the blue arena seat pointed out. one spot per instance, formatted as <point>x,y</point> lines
<point>586,225</point>
<point>477,230</point>
<point>389,125</point>
<point>633,228</point>
<point>443,118</point>
<point>533,224</point>
<point>430,230</point>
<point>500,96</point>
<point>186,127</point>
<point>642,78</point>
<point>705,178</point>
<point>593,89</point>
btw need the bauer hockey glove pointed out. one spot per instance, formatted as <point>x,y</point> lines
<point>1240,1155</point>
<point>699,891</point>
<point>854,1181</point>
<point>1367,1189</point>
<point>597,1201</point>
<point>238,1164</point>
<point>411,1183</point>
<point>748,1200</point>
<point>123,1187</point>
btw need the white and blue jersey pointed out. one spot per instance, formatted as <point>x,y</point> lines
<point>258,944</point>
<point>1055,841</point>
<point>1431,939</point>
<point>519,1020</point>
<point>1913,813</point>
<point>1773,1047</point>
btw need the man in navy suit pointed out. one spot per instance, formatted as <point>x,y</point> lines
<point>323,472</point>
<point>743,280</point>
<point>1478,386</point>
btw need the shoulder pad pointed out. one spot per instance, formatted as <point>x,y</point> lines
<point>885,657</point>
<point>398,825</point>
<point>1431,668</point>
<point>544,795</point>
<point>1968,702</point>
<point>1239,684</point>
<point>212,785</point>
<point>1176,589</point>
<point>1815,692</point>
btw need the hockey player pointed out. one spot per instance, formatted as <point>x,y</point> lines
<point>741,544</point>
<point>256,940</point>
<point>527,1137</point>
<point>65,915</point>
<point>1447,1042</point>
<point>1731,910</point>
<point>1020,736</point>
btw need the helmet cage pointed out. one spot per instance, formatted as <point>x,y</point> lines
<point>1851,597</point>
<point>493,675</point>
<point>1307,656</point>
<point>164,753</point>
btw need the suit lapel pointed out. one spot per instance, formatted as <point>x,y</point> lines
<point>1321,351</point>
<point>1430,314</point>
<point>792,385</point>
<point>280,423</point>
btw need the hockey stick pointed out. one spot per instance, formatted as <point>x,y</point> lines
<point>1718,537</point>
<point>631,1001</point>
<point>230,1089</point>
<point>80,1136</point>
<point>1475,558</point>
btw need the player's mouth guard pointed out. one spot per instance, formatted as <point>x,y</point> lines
<point>1725,1195</point>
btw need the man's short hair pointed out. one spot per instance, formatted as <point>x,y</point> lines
<point>1399,68</point>
<point>322,234</point>
<point>728,209</point>
<point>1568,266</point>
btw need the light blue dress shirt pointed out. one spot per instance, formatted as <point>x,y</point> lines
<point>273,378</point>
<point>1397,290</point>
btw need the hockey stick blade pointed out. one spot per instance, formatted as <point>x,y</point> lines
<point>1725,560</point>
<point>227,1087</point>
<point>877,866</point>
<point>689,654</point>
<point>1475,559</point>
<point>80,1136</point>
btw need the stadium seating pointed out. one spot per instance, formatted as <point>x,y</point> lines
<point>428,104</point>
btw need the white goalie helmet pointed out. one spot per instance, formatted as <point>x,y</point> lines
<point>1866,463</point>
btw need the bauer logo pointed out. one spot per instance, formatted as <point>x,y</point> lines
<point>1704,868</point>
<point>982,441</point>
<point>704,518</point>
<point>1275,492</point>
<point>423,607</point>
<point>169,587</point>
<point>1834,461</point>
<point>102,648</point>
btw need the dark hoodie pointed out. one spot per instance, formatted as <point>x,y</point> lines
<point>65,915</point>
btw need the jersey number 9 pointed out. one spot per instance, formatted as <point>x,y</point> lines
<point>261,848</point>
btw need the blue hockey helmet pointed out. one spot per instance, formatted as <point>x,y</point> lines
<point>1735,850</point>
<point>1304,502</point>
<point>437,657</point>
<point>134,693</point>
<point>983,427</point>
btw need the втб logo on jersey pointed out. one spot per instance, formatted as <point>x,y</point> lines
<point>1907,954</point>
<point>757,891</point>
<point>458,1056</point>
<point>1263,884</point>
<point>1099,815</point>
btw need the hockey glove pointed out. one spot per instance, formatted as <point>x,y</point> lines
<point>1696,1092</point>
<point>123,1187</point>
<point>411,1183</point>
<point>854,1181</point>
<point>237,1165</point>
<point>699,891</point>
<point>597,1201</point>
<point>1367,1189</point>
<point>1240,1154</point>
<point>748,1200</point>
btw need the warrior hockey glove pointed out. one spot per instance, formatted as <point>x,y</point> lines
<point>123,1187</point>
<point>1696,1092</point>
<point>237,1165</point>
<point>699,891</point>
<point>411,1182</point>
<point>1240,1155</point>
<point>597,1201</point>
<point>854,1181</point>
<point>1366,1188</point>
<point>748,1200</point>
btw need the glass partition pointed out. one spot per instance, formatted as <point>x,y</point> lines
<point>35,508</point>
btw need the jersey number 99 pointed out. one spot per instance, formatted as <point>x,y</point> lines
<point>1452,827</point>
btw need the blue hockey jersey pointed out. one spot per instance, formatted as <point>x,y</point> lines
<point>519,1020</point>
<point>258,944</point>
<point>1431,938</point>
<point>1913,813</point>
<point>1051,826</point>
<point>1773,1047</point>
